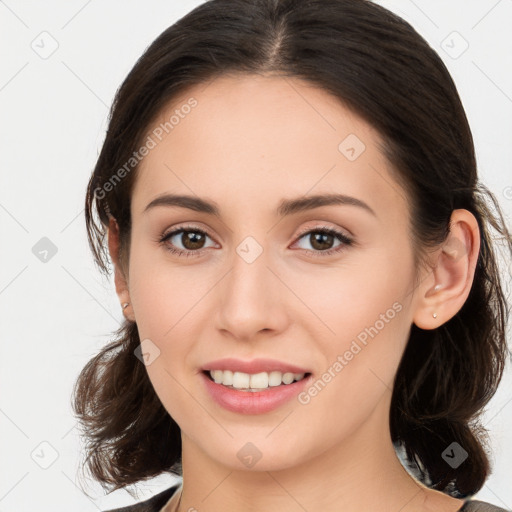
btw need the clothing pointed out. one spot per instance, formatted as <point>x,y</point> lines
<point>153,504</point>
<point>160,502</point>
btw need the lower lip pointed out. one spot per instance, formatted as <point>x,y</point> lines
<point>253,402</point>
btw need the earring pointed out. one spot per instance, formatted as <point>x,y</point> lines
<point>436,287</point>
<point>125,305</point>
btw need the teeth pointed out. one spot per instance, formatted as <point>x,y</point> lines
<point>263,380</point>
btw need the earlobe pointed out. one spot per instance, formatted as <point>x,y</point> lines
<point>442,294</point>
<point>121,284</point>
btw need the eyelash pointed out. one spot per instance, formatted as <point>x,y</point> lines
<point>346,241</point>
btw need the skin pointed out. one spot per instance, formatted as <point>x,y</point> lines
<point>250,142</point>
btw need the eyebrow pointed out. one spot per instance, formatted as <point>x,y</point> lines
<point>286,206</point>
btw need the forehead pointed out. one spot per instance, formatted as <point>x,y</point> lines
<point>263,137</point>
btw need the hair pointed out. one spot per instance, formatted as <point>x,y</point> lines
<point>377,65</point>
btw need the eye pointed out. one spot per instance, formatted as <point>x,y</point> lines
<point>193,239</point>
<point>321,239</point>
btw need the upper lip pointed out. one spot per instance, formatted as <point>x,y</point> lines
<point>253,366</point>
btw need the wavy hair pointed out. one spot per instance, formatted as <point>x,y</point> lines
<point>376,64</point>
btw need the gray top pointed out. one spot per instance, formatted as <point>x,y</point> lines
<point>481,506</point>
<point>155,503</point>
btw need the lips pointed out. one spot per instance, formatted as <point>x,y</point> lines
<point>253,366</point>
<point>248,402</point>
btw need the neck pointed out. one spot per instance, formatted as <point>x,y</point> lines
<point>361,473</point>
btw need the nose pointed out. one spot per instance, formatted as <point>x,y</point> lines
<point>251,299</point>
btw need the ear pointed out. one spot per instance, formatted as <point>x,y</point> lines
<point>445,289</point>
<point>121,282</point>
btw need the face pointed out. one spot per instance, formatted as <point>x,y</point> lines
<point>257,280</point>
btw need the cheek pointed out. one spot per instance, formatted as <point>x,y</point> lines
<point>164,297</point>
<point>168,303</point>
<point>351,301</point>
<point>358,374</point>
<point>360,324</point>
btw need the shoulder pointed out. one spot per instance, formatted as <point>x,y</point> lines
<point>481,506</point>
<point>153,504</point>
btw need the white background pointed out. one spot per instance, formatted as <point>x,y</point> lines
<point>56,315</point>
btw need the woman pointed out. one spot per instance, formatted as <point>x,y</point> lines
<point>302,253</point>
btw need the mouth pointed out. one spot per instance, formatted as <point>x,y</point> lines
<point>255,382</point>
<point>257,393</point>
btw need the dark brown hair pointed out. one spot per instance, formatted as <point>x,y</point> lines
<point>377,65</point>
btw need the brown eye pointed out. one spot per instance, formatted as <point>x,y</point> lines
<point>321,240</point>
<point>191,240</point>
